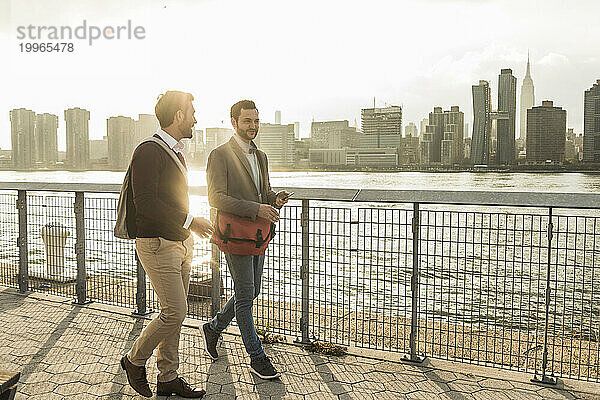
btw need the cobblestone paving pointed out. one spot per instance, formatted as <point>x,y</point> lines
<point>71,352</point>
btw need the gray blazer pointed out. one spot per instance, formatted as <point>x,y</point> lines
<point>230,184</point>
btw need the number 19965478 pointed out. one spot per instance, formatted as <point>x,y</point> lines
<point>46,47</point>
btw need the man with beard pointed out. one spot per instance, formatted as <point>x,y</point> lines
<point>164,244</point>
<point>238,183</point>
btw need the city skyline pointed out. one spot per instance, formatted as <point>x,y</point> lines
<point>315,73</point>
<point>379,143</point>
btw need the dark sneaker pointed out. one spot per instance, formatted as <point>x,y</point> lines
<point>179,387</point>
<point>210,341</point>
<point>263,368</point>
<point>136,377</point>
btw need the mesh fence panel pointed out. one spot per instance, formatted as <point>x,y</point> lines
<point>9,232</point>
<point>110,262</point>
<point>51,243</point>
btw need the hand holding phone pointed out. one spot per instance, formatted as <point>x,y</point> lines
<point>283,197</point>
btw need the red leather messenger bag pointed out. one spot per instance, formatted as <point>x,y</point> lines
<point>242,236</point>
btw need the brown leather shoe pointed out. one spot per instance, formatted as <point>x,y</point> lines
<point>136,377</point>
<point>179,387</point>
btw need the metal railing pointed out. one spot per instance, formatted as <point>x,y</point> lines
<point>510,280</point>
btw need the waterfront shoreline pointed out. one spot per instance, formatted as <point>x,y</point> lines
<point>475,170</point>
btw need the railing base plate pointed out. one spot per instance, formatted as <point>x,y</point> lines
<point>546,380</point>
<point>415,359</point>
<point>136,313</point>
<point>77,303</point>
<point>302,342</point>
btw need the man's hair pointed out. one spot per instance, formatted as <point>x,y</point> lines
<point>168,104</point>
<point>236,109</point>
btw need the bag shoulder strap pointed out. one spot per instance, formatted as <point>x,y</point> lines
<point>169,151</point>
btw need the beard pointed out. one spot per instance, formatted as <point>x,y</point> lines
<point>187,131</point>
<point>247,134</point>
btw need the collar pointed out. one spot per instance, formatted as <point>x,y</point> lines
<point>173,144</point>
<point>246,147</point>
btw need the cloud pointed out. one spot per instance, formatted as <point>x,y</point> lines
<point>554,59</point>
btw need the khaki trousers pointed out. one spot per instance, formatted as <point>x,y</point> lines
<point>167,264</point>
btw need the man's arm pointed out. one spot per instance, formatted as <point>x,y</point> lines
<point>216,179</point>
<point>146,166</point>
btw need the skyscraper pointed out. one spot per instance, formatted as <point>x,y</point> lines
<point>527,101</point>
<point>216,137</point>
<point>467,148</point>
<point>78,136</point>
<point>424,123</point>
<point>409,151</point>
<point>482,123</point>
<point>145,126</point>
<point>22,127</point>
<point>546,131</point>
<point>570,149</point>
<point>277,141</point>
<point>426,146</point>
<point>507,104</point>
<point>382,121</point>
<point>411,130</point>
<point>278,117</point>
<point>333,134</point>
<point>121,141</point>
<point>452,142</point>
<point>591,124</point>
<point>443,138</point>
<point>46,146</point>
<point>436,122</point>
<point>297,130</point>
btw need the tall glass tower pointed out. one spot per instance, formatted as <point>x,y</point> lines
<point>482,123</point>
<point>507,107</point>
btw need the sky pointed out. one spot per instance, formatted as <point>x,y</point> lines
<point>313,60</point>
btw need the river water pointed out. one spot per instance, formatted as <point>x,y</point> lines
<point>525,182</point>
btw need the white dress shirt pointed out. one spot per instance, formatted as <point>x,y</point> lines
<point>252,160</point>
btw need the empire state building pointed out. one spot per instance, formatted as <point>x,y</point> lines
<point>527,101</point>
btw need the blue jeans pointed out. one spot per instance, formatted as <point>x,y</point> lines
<point>246,272</point>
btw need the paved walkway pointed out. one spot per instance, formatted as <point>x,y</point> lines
<point>71,352</point>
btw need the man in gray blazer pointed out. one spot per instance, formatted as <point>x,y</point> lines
<point>238,183</point>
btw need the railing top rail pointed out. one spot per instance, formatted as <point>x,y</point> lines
<point>455,197</point>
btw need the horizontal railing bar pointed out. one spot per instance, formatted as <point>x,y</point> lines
<point>484,198</point>
<point>453,197</point>
<point>62,187</point>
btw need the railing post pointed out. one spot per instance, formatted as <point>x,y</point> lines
<point>304,273</point>
<point>81,283</point>
<point>549,380</point>
<point>215,267</point>
<point>414,287</point>
<point>140,294</point>
<point>23,275</point>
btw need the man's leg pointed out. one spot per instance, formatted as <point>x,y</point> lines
<point>259,262</point>
<point>162,260</point>
<point>223,317</point>
<point>261,365</point>
<point>167,358</point>
<point>242,271</point>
